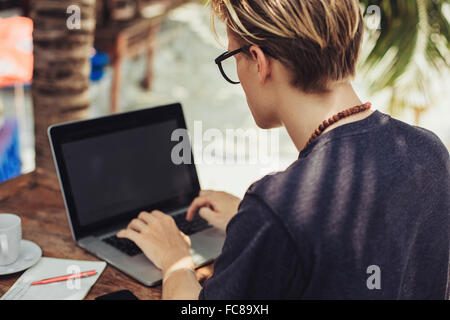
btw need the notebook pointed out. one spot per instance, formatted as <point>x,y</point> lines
<point>75,289</point>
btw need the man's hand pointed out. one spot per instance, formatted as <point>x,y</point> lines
<point>216,207</point>
<point>159,238</point>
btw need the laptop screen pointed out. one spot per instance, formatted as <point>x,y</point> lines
<point>116,172</point>
<point>123,168</point>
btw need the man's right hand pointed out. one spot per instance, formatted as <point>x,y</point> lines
<point>216,207</point>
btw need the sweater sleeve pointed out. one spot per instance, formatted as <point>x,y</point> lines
<point>258,260</point>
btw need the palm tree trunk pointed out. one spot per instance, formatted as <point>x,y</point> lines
<point>60,89</point>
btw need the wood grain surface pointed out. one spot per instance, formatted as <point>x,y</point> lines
<point>37,199</point>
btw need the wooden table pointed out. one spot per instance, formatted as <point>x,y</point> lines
<point>37,199</point>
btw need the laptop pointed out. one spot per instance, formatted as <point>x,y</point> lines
<point>112,168</point>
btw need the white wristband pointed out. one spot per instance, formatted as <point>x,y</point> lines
<point>167,275</point>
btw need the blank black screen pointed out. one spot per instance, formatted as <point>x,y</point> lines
<point>123,171</point>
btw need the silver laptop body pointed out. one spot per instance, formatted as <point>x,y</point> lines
<point>74,143</point>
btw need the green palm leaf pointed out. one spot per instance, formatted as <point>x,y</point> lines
<point>409,52</point>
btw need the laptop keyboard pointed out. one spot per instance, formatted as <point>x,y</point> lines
<point>125,245</point>
<point>188,227</point>
<point>191,227</point>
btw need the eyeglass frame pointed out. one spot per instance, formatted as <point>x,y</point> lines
<point>225,56</point>
<point>228,54</point>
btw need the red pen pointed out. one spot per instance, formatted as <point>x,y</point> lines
<point>66,277</point>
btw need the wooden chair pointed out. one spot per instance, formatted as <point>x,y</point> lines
<point>129,38</point>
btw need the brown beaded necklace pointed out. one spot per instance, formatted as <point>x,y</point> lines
<point>336,118</point>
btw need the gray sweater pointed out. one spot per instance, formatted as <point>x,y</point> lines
<point>362,214</point>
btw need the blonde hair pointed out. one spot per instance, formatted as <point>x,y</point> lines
<point>318,40</point>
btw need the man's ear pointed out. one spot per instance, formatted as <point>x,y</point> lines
<point>263,63</point>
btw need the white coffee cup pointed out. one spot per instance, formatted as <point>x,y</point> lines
<point>10,238</point>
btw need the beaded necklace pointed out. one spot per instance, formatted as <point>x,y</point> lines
<point>337,117</point>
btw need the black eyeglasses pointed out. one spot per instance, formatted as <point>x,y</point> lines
<point>228,67</point>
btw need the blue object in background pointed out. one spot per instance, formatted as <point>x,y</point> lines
<point>98,62</point>
<point>10,164</point>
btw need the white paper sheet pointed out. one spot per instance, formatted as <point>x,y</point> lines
<point>75,289</point>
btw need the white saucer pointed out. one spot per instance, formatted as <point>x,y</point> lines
<point>30,253</point>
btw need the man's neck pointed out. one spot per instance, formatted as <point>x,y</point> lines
<point>302,113</point>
